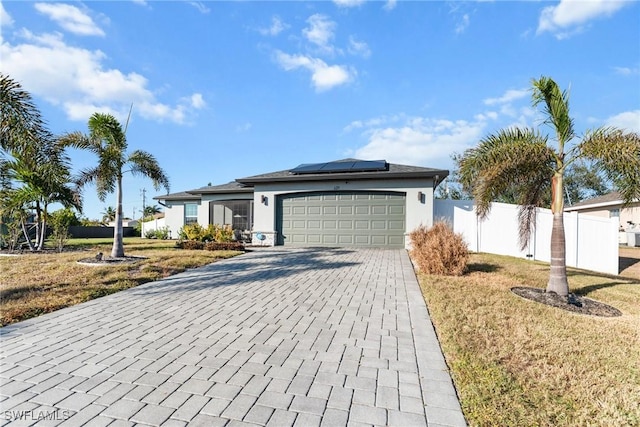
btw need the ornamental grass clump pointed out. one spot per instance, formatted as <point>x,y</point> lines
<point>438,250</point>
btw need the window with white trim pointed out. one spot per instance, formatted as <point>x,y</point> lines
<point>190,213</point>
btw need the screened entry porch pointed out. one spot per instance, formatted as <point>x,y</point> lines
<point>236,213</point>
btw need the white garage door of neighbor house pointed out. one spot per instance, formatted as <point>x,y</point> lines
<point>373,219</point>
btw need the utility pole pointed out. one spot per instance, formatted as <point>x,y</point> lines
<point>144,200</point>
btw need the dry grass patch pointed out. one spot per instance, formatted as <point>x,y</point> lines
<point>34,284</point>
<point>517,362</point>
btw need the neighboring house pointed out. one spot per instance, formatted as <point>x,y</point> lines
<point>341,203</point>
<point>608,206</point>
<point>126,222</point>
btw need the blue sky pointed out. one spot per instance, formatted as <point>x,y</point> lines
<point>223,90</point>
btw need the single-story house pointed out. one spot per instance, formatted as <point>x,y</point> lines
<point>609,206</point>
<point>346,202</point>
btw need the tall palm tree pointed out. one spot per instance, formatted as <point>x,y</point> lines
<point>34,167</point>
<point>520,160</point>
<point>108,141</point>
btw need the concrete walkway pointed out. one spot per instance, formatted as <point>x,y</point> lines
<point>274,337</point>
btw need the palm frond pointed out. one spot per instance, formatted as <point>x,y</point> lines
<point>144,163</point>
<point>616,153</point>
<point>21,123</point>
<point>556,108</point>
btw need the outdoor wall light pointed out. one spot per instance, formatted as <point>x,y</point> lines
<point>420,194</point>
<point>263,199</point>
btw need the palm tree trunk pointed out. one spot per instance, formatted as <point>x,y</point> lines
<point>26,234</point>
<point>558,274</point>
<point>38,225</point>
<point>118,248</point>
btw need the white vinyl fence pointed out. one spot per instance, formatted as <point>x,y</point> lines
<point>592,242</point>
<point>154,224</point>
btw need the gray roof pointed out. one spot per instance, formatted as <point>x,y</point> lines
<point>395,171</point>
<point>607,198</point>
<point>229,187</point>
<point>177,196</point>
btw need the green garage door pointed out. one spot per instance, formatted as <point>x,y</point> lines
<point>342,219</point>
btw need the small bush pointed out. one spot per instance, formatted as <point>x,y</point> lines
<point>213,232</point>
<point>224,246</point>
<point>438,250</point>
<point>190,244</point>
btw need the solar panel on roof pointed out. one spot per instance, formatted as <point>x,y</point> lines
<point>307,168</point>
<point>370,165</point>
<point>344,166</point>
<point>337,167</point>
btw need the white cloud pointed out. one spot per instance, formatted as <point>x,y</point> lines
<point>463,24</point>
<point>197,101</point>
<point>629,120</point>
<point>323,76</point>
<point>358,48</point>
<point>202,8</point>
<point>277,26</point>
<point>80,84</point>
<point>5,19</point>
<point>140,2</point>
<point>570,16</point>
<point>508,97</point>
<point>390,5</point>
<point>420,140</point>
<point>245,127</point>
<point>626,71</point>
<point>70,18</point>
<point>348,3</point>
<point>320,32</point>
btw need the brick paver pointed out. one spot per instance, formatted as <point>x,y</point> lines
<point>307,336</point>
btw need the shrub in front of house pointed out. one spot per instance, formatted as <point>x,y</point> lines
<point>438,250</point>
<point>213,238</point>
<point>224,246</point>
<point>189,244</point>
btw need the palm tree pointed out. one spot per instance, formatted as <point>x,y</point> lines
<point>34,167</point>
<point>519,161</point>
<point>109,214</point>
<point>20,119</point>
<point>108,141</point>
<point>151,210</point>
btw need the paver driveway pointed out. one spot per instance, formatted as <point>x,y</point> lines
<point>273,337</point>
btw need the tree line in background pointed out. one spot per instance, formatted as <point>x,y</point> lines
<point>35,168</point>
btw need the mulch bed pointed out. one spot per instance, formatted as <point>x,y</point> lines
<point>572,302</point>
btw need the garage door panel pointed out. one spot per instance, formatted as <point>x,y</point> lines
<point>345,239</point>
<point>329,239</point>
<point>379,240</point>
<point>342,219</point>
<point>345,224</point>
<point>361,225</point>
<point>396,210</point>
<point>396,225</point>
<point>313,210</point>
<point>345,210</point>
<point>313,225</point>
<point>314,238</point>
<point>329,225</point>
<point>362,210</point>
